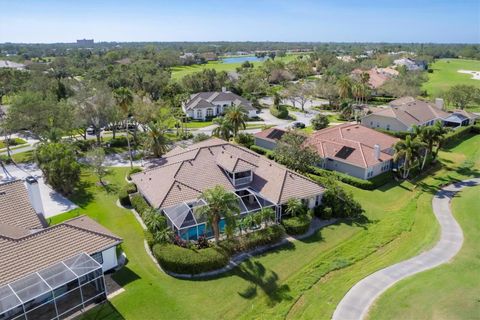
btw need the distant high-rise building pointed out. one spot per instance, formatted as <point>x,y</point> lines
<point>85,42</point>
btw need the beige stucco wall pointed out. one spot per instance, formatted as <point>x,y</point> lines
<point>376,121</point>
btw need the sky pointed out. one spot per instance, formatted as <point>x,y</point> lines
<point>50,21</point>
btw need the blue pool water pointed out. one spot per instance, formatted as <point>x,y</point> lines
<point>242,59</point>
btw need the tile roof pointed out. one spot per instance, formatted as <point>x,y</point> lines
<point>271,134</point>
<point>27,246</point>
<point>411,111</point>
<point>352,143</point>
<point>376,78</point>
<point>207,100</point>
<point>184,176</point>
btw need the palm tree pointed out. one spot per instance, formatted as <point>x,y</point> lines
<point>439,132</point>
<point>427,136</point>
<point>163,236</point>
<point>267,214</point>
<point>344,85</point>
<point>223,129</point>
<point>295,207</point>
<point>154,221</point>
<point>124,98</point>
<point>364,78</point>
<point>220,204</point>
<point>237,117</point>
<point>156,140</point>
<point>408,150</point>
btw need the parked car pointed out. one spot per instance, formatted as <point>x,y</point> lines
<point>297,125</point>
<point>91,131</point>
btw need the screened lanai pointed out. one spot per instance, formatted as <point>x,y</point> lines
<point>55,292</point>
<point>189,225</point>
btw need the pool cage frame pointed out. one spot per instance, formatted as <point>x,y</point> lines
<point>55,292</point>
<point>183,219</point>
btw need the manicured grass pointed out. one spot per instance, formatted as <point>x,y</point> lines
<point>198,124</point>
<point>445,74</point>
<point>302,280</point>
<point>450,291</point>
<point>17,142</point>
<point>23,157</point>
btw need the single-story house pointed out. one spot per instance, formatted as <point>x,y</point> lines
<point>353,149</point>
<point>49,272</point>
<point>402,114</point>
<point>268,138</point>
<point>205,105</point>
<point>460,118</point>
<point>175,187</point>
<point>377,76</point>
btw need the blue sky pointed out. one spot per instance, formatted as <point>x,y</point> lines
<point>232,20</point>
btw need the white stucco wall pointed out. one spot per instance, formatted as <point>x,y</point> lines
<point>109,259</point>
<point>376,121</point>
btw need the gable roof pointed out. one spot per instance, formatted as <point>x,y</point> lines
<point>352,143</point>
<point>184,176</point>
<point>208,99</point>
<point>411,111</point>
<point>271,134</point>
<point>26,245</point>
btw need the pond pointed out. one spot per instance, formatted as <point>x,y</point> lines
<point>242,59</point>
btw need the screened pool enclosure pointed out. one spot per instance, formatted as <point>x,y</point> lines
<point>55,292</point>
<point>189,225</point>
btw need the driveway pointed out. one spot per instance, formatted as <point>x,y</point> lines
<point>356,303</point>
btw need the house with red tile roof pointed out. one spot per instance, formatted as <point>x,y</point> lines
<point>353,149</point>
<point>176,185</point>
<point>268,138</point>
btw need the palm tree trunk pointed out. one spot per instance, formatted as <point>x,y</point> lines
<point>424,158</point>
<point>128,144</point>
<point>216,231</point>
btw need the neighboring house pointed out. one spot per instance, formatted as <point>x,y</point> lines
<point>205,105</point>
<point>175,186</point>
<point>460,118</point>
<point>49,272</point>
<point>377,76</point>
<point>410,64</point>
<point>268,138</point>
<point>404,113</point>
<point>11,65</point>
<point>353,149</point>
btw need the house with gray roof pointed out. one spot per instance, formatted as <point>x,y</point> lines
<point>175,186</point>
<point>205,105</point>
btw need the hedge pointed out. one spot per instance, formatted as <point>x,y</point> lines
<point>319,174</point>
<point>262,151</point>
<point>133,171</point>
<point>252,240</point>
<point>130,188</point>
<point>297,225</point>
<point>149,238</point>
<point>139,204</point>
<point>124,197</point>
<point>396,134</point>
<point>459,133</point>
<point>281,112</point>
<point>118,142</point>
<point>188,261</point>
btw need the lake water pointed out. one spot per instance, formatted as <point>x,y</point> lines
<point>242,59</point>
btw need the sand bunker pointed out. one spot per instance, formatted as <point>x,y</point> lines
<point>475,74</point>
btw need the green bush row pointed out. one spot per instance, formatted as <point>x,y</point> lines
<point>262,151</point>
<point>318,174</point>
<point>124,194</point>
<point>139,204</point>
<point>188,261</point>
<point>296,225</point>
<point>459,133</point>
<point>252,240</point>
<point>396,134</point>
<point>281,112</point>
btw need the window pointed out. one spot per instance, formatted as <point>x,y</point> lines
<point>388,127</point>
<point>199,114</point>
<point>209,112</point>
<point>371,123</point>
<point>98,257</point>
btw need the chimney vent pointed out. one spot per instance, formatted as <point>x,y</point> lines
<point>224,89</point>
<point>439,103</point>
<point>376,151</point>
<point>34,194</point>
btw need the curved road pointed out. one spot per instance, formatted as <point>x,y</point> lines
<point>356,303</point>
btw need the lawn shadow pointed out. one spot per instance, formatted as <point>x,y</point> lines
<point>362,221</point>
<point>125,276</point>
<point>104,311</point>
<point>261,279</point>
<point>82,196</point>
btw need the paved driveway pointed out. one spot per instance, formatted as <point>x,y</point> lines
<point>358,300</point>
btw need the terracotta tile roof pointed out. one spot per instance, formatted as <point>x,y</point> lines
<point>22,256</point>
<point>183,176</point>
<point>411,111</point>
<point>271,134</point>
<point>15,208</point>
<point>377,76</point>
<point>352,143</point>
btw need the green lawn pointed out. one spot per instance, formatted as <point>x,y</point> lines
<point>198,124</point>
<point>17,142</point>
<point>445,74</point>
<point>303,280</point>
<point>450,291</point>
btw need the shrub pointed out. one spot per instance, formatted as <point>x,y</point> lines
<point>124,197</point>
<point>396,134</point>
<point>280,112</point>
<point>201,137</point>
<point>133,171</point>
<point>139,204</point>
<point>245,139</point>
<point>342,203</point>
<point>320,121</point>
<point>149,238</point>
<point>118,142</point>
<point>255,239</point>
<point>457,134</point>
<point>187,261</point>
<point>84,145</point>
<point>319,175</point>
<point>262,151</point>
<point>130,188</point>
<point>297,225</point>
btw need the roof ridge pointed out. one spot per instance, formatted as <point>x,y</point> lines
<point>87,230</point>
<point>282,186</point>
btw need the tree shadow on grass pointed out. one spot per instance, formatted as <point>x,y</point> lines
<point>82,196</point>
<point>103,311</point>
<point>362,221</point>
<point>261,279</point>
